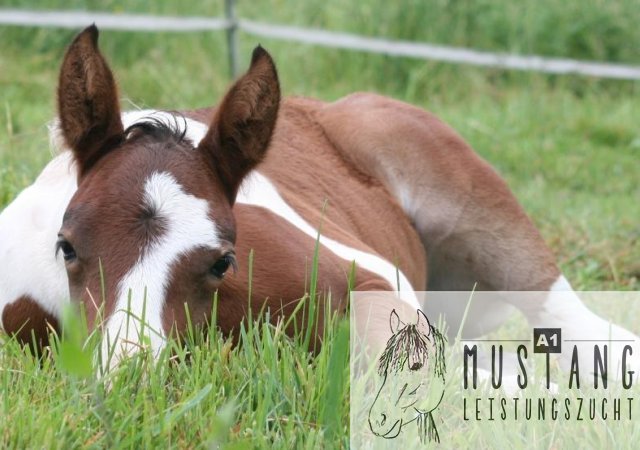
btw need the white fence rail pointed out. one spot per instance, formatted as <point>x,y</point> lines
<point>231,24</point>
<point>129,22</point>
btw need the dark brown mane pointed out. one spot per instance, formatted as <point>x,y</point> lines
<point>160,129</point>
<point>411,341</point>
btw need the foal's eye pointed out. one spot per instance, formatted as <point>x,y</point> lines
<point>416,366</point>
<point>222,265</point>
<point>68,252</point>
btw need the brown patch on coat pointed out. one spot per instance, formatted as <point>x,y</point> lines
<point>29,323</point>
<point>360,212</point>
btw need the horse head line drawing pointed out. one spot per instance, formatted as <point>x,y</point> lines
<point>412,367</point>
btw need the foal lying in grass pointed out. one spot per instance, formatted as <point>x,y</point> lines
<point>145,215</point>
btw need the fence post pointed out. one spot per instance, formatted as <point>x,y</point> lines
<point>232,36</point>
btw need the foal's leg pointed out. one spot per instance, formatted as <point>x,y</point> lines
<point>473,229</point>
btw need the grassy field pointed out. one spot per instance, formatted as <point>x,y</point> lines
<point>569,148</point>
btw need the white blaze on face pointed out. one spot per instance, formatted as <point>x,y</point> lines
<point>186,226</point>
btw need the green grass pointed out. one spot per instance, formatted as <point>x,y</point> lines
<point>569,148</point>
<point>265,392</point>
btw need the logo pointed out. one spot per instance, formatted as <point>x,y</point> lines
<point>496,375</point>
<point>593,365</point>
<point>547,340</point>
<point>412,372</point>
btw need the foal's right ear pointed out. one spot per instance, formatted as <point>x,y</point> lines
<point>88,105</point>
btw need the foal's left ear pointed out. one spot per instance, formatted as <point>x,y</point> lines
<point>88,101</point>
<point>239,136</point>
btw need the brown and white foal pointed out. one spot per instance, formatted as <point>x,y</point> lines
<point>147,213</point>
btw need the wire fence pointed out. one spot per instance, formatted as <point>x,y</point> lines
<point>232,25</point>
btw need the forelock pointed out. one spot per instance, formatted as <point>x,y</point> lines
<point>407,341</point>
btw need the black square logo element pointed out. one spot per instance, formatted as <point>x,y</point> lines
<point>547,340</point>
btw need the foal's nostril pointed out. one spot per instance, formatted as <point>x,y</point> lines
<point>384,419</point>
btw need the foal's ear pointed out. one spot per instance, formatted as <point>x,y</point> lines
<point>88,101</point>
<point>242,127</point>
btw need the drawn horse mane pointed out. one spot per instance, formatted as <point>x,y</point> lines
<point>409,340</point>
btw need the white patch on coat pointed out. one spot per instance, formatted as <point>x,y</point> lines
<point>28,234</point>
<point>257,190</point>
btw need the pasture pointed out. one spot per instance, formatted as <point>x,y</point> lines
<point>569,147</point>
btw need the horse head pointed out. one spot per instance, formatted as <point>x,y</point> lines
<point>150,232</point>
<point>412,371</point>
